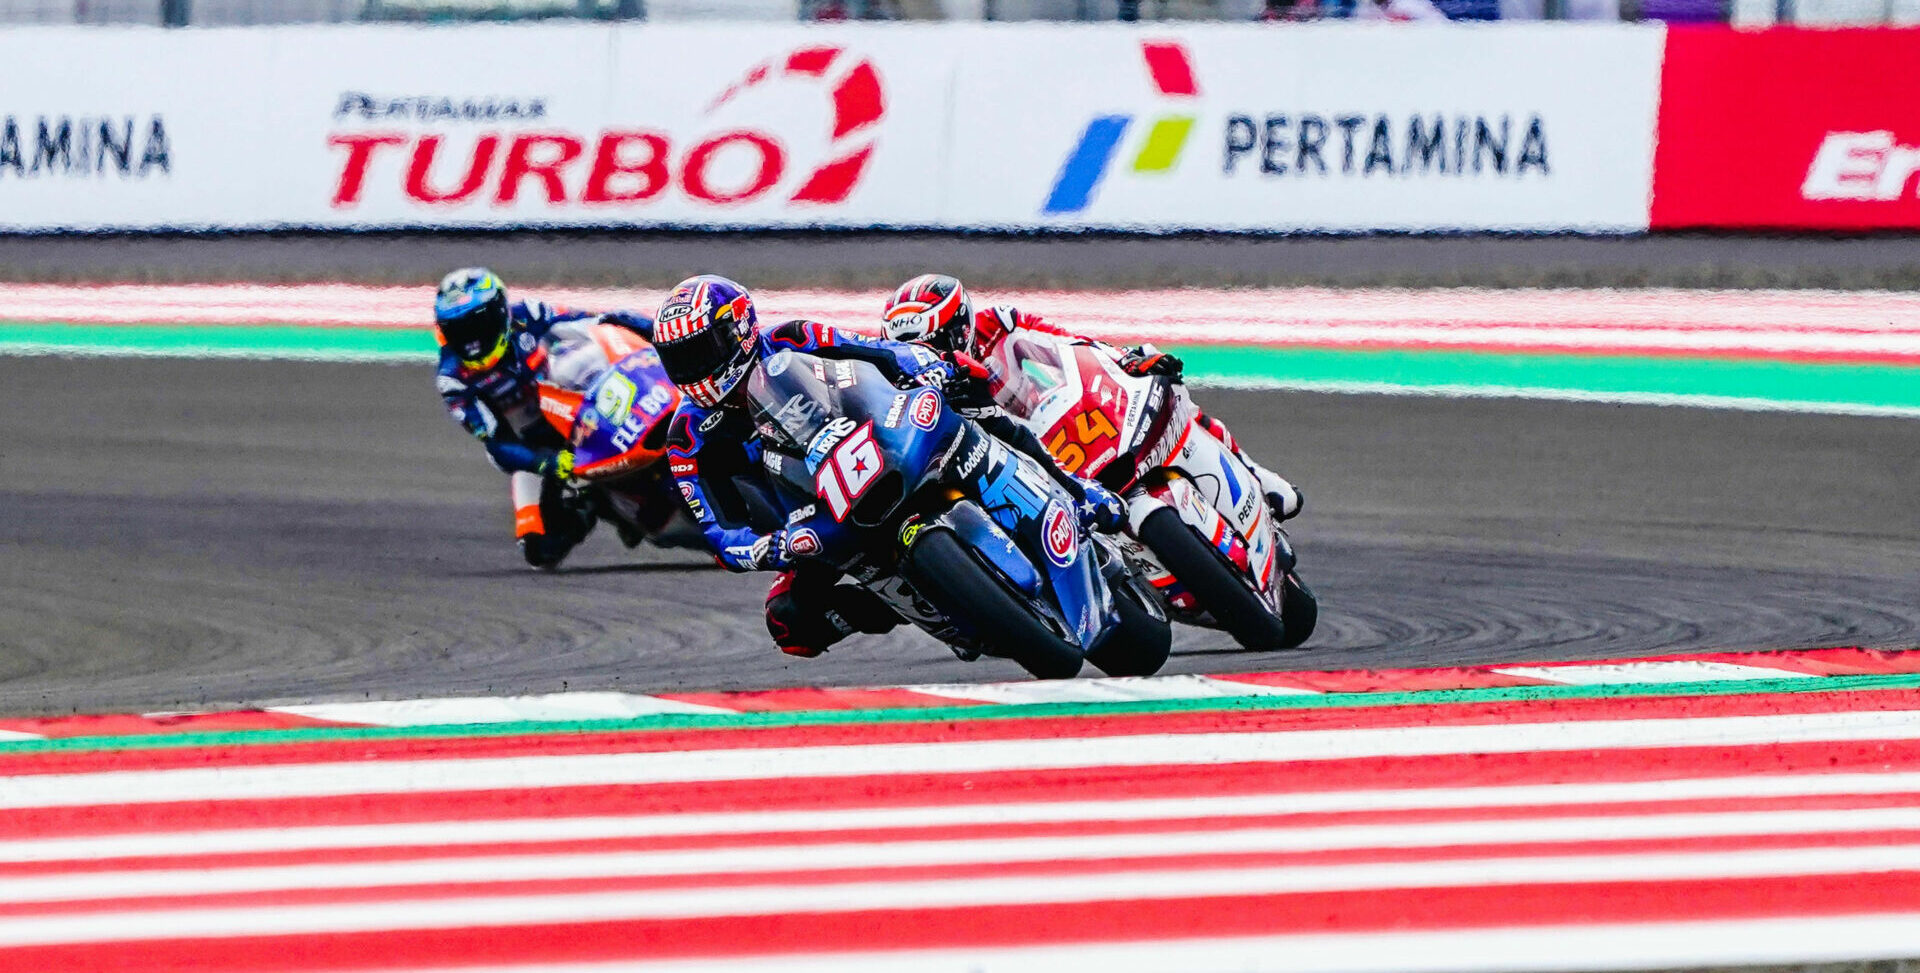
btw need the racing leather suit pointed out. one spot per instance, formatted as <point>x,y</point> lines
<point>716,458</point>
<point>992,325</point>
<point>500,405</point>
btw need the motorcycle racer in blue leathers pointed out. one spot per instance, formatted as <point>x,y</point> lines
<point>494,354</point>
<point>709,343</point>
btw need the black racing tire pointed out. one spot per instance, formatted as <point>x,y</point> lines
<point>1214,583</point>
<point>1140,643</point>
<point>1299,608</point>
<point>954,580</point>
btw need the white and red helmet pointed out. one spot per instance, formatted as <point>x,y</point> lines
<point>932,308</point>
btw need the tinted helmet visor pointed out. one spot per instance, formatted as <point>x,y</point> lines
<point>474,334</point>
<point>706,364</point>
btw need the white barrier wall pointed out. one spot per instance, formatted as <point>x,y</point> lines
<point>1162,128</point>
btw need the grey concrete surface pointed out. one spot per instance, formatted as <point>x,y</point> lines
<point>184,534</point>
<point>884,259</point>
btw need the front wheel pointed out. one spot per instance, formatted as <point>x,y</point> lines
<point>954,580</point>
<point>1300,608</point>
<point>1141,641</point>
<point>1215,584</point>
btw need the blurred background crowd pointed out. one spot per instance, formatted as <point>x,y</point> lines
<point>184,13</point>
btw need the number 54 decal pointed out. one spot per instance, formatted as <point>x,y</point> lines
<point>852,467</point>
<point>1090,427</point>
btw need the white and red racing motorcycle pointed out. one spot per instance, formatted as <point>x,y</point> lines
<point>1198,524</point>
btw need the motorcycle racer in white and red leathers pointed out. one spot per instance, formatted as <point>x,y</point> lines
<point>494,355</point>
<point>936,309</point>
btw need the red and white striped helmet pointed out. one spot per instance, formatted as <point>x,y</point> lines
<point>932,308</point>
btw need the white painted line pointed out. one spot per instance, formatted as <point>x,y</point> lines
<point>774,763</point>
<point>1125,689</point>
<point>18,735</point>
<point>1666,945</point>
<point>770,857</point>
<point>1617,673</point>
<point>549,829</point>
<point>77,350</point>
<point>785,897</point>
<point>457,710</point>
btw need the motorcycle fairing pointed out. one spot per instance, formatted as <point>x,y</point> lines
<point>620,424</point>
<point>1025,501</point>
<point>834,433</point>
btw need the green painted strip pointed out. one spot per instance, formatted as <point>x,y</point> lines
<point>1736,381</point>
<point>1746,383</point>
<point>945,714</point>
<point>277,341</point>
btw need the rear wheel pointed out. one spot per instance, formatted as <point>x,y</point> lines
<point>1140,642</point>
<point>1215,584</point>
<point>1299,608</point>
<point>954,580</point>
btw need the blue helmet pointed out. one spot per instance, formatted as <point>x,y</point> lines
<point>704,334</point>
<point>471,312</point>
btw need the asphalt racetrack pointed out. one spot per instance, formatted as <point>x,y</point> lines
<point>180,534</point>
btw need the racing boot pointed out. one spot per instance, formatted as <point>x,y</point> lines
<point>1283,498</point>
<point>551,530</point>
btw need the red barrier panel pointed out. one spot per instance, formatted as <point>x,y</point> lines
<point>1789,129</point>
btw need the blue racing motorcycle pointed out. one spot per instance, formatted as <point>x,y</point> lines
<point>968,539</point>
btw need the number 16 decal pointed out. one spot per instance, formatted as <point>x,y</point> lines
<point>852,468</point>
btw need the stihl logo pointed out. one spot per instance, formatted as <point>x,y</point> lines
<point>1861,166</point>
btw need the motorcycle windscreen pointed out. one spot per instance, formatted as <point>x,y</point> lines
<point>792,399</point>
<point>1025,371</point>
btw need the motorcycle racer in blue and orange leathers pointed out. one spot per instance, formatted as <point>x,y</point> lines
<point>936,309</point>
<point>494,354</point>
<point>709,342</point>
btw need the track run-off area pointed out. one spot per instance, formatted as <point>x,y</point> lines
<point>1803,350</point>
<point>1689,811</point>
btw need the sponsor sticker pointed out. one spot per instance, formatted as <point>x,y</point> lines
<point>926,409</point>
<point>803,542</point>
<point>895,410</point>
<point>824,440</point>
<point>974,456</point>
<point>1060,535</point>
<point>614,398</point>
<point>778,364</point>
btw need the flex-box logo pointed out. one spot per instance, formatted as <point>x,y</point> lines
<point>1171,71</point>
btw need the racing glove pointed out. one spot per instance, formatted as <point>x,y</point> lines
<point>966,366</point>
<point>770,552</point>
<point>1100,509</point>
<point>511,457</point>
<point>1145,360</point>
<point>557,465</point>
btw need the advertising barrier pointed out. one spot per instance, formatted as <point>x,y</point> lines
<point>1338,127</point>
<point>1254,128</point>
<point>1789,129</point>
